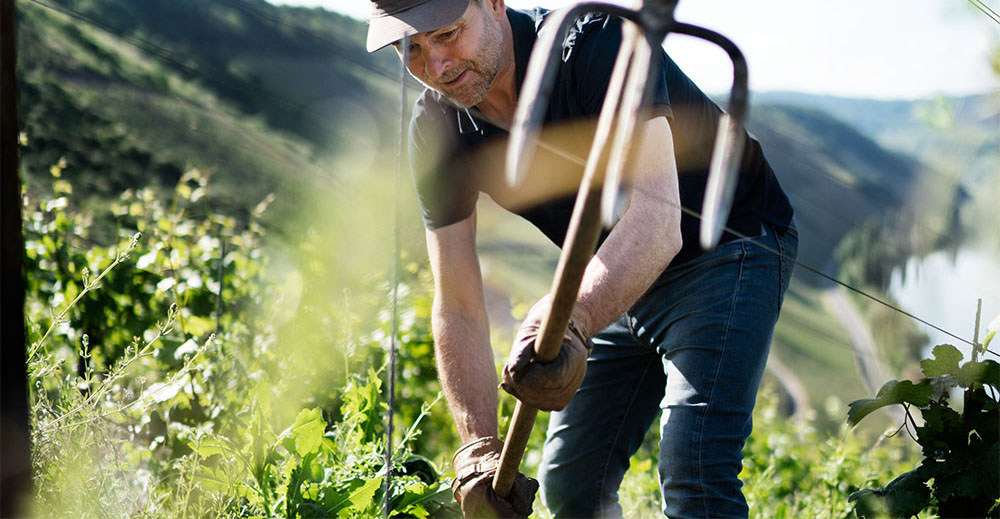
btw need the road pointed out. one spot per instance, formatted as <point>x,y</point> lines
<point>870,366</point>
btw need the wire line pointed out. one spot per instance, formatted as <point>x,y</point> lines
<point>990,13</point>
<point>167,55</point>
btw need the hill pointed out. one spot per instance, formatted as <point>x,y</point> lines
<point>129,94</point>
<point>270,99</point>
<point>959,136</point>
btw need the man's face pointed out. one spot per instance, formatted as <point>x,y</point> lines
<point>460,60</point>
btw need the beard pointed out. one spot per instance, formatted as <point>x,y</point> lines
<point>471,91</point>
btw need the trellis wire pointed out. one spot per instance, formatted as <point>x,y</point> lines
<point>167,55</point>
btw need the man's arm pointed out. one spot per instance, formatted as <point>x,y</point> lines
<point>645,239</point>
<point>633,255</point>
<point>461,330</point>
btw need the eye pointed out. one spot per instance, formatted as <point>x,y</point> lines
<point>411,49</point>
<point>448,35</point>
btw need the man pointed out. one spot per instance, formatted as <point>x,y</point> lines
<point>659,325</point>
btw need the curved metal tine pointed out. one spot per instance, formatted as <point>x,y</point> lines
<point>722,179</point>
<point>729,142</point>
<point>538,82</point>
<point>554,325</point>
<point>637,88</point>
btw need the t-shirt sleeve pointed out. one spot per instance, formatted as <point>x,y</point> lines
<point>444,187</point>
<point>593,60</point>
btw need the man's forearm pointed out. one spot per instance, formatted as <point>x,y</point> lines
<point>627,263</point>
<point>643,242</point>
<point>467,372</point>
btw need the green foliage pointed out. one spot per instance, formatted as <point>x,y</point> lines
<point>141,409</point>
<point>960,472</point>
<point>793,469</point>
<point>893,392</point>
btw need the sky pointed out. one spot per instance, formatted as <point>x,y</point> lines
<point>882,49</point>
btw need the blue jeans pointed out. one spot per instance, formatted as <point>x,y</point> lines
<point>694,348</point>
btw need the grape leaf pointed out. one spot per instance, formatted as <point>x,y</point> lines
<point>893,392</point>
<point>945,361</point>
<point>905,496</point>
<point>976,373</point>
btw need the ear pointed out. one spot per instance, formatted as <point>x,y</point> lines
<point>496,7</point>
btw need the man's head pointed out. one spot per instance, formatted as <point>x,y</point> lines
<point>458,55</point>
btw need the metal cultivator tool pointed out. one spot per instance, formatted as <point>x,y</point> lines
<point>623,108</point>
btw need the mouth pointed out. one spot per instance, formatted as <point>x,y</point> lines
<point>457,79</point>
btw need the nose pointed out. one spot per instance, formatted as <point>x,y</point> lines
<point>436,63</point>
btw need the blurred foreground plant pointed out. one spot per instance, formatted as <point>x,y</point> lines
<point>141,410</point>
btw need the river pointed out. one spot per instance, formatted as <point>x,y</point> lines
<point>943,288</point>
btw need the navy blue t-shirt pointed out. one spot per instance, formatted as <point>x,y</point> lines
<point>455,156</point>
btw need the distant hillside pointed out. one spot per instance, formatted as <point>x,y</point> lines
<point>836,177</point>
<point>133,93</point>
<point>296,67</point>
<point>959,136</point>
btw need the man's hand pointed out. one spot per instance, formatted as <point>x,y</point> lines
<point>548,386</point>
<point>475,465</point>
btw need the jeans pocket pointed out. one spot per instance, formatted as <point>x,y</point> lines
<point>787,247</point>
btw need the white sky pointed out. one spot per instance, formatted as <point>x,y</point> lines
<point>887,49</point>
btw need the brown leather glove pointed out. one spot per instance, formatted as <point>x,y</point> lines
<point>475,465</point>
<point>548,386</point>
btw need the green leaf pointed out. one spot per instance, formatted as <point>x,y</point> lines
<point>868,504</point>
<point>307,431</point>
<point>358,499</point>
<point>420,467</point>
<point>964,483</point>
<point>905,496</point>
<point>212,479</point>
<point>420,500</point>
<point>333,501</point>
<point>945,362</point>
<point>908,494</point>
<point>309,510</point>
<point>197,325</point>
<point>362,497</point>
<point>939,430</point>
<point>208,447</point>
<point>893,392</point>
<point>62,187</point>
<point>974,374</point>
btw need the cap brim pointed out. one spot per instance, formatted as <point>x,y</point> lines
<point>387,29</point>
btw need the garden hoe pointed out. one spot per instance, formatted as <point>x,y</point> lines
<point>623,106</point>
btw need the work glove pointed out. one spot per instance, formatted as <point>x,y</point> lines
<point>475,465</point>
<point>548,386</point>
